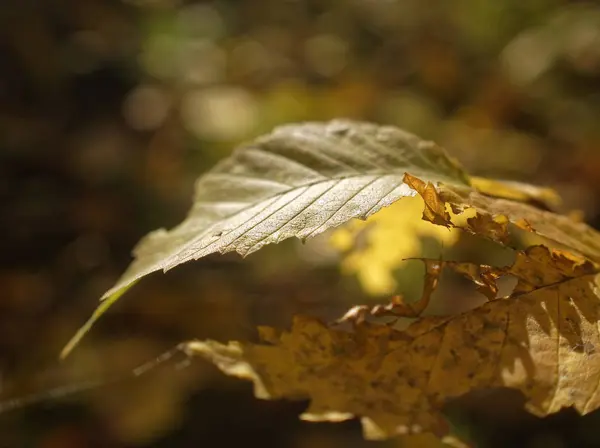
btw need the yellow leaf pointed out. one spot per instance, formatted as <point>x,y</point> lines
<point>517,191</point>
<point>542,341</point>
<point>390,236</point>
<point>491,217</point>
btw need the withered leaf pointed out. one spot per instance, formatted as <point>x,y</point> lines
<point>541,341</point>
<point>398,307</point>
<point>492,216</point>
<point>435,208</point>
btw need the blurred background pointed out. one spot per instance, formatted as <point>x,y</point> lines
<point>109,109</point>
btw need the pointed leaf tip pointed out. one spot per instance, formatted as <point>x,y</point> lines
<point>100,310</point>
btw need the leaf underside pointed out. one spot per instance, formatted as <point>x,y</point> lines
<point>299,180</point>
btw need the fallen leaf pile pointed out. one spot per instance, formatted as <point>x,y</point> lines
<point>542,339</point>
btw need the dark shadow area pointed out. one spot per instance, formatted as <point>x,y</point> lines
<point>497,418</point>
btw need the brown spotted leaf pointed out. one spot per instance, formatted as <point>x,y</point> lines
<point>542,341</point>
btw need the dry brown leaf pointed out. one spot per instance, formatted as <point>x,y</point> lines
<point>492,216</point>
<point>541,341</point>
<point>435,208</point>
<point>398,307</point>
<point>483,276</point>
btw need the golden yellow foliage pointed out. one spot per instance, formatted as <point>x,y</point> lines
<point>492,216</point>
<point>540,341</point>
<point>517,191</point>
<point>390,236</point>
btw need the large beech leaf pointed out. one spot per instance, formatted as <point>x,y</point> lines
<point>541,340</point>
<point>298,181</point>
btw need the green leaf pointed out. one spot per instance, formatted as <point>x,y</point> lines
<point>299,180</point>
